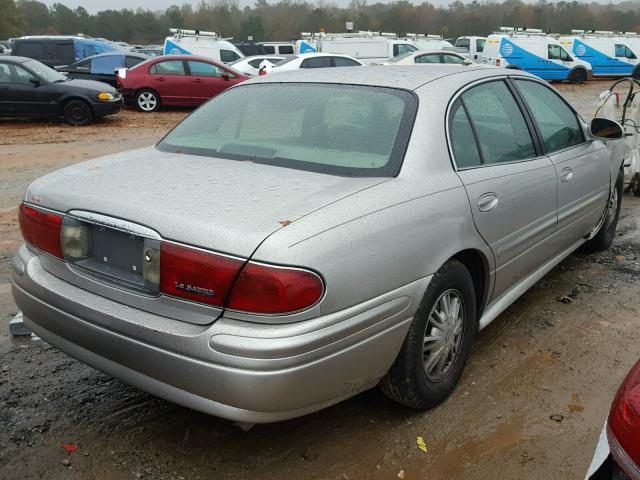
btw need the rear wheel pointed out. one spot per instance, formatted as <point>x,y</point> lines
<point>578,76</point>
<point>77,113</point>
<point>438,343</point>
<point>604,237</point>
<point>147,101</point>
<point>635,184</point>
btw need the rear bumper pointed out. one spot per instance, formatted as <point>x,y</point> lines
<point>245,372</point>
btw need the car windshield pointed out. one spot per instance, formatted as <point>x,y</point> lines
<point>335,129</point>
<point>45,73</point>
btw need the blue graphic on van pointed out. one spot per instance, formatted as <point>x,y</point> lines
<point>601,63</point>
<point>525,60</point>
<point>172,48</point>
<point>306,48</point>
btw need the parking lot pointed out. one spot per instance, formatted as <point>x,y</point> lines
<point>531,403</point>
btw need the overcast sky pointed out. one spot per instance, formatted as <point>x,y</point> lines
<point>93,6</point>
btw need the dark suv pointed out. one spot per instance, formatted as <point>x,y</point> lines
<point>59,50</point>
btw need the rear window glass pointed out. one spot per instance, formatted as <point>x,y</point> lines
<point>286,49</point>
<point>335,129</point>
<point>106,65</point>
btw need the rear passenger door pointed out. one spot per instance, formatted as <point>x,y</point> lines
<point>512,187</point>
<point>170,80</point>
<point>583,167</point>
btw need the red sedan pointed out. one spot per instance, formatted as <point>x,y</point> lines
<point>175,80</point>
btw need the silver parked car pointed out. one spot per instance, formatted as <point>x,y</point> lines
<point>306,236</point>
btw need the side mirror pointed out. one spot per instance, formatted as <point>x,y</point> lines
<point>35,81</point>
<point>606,129</point>
<point>467,62</point>
<point>225,75</point>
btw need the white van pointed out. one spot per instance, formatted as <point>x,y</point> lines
<point>608,53</point>
<point>533,51</point>
<point>428,42</point>
<point>277,48</point>
<point>470,47</point>
<point>205,44</point>
<point>368,47</point>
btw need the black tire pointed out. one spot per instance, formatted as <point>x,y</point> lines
<point>578,76</point>
<point>636,73</point>
<point>408,381</point>
<point>77,113</point>
<point>147,100</point>
<point>635,185</point>
<point>606,234</point>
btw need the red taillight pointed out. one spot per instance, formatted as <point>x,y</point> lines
<point>275,290</point>
<point>41,229</point>
<point>624,425</point>
<point>196,274</point>
<point>497,62</point>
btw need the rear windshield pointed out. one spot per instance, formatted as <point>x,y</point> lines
<point>343,130</point>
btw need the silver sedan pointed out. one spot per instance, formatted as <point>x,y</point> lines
<point>306,236</point>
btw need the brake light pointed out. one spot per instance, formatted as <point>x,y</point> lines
<point>497,62</point>
<point>41,229</point>
<point>195,274</point>
<point>623,427</point>
<point>270,289</point>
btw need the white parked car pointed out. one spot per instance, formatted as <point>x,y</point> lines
<point>316,60</point>
<point>430,57</point>
<point>251,65</point>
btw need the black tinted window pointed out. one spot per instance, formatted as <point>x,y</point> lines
<point>345,62</point>
<point>228,56</point>
<point>269,49</point>
<point>31,50</point>
<point>132,61</point>
<point>558,124</point>
<point>501,129</point>
<point>463,142</point>
<point>463,43</point>
<point>316,62</point>
<point>285,49</point>
<point>66,52</point>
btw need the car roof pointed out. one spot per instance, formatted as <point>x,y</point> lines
<point>14,59</point>
<point>406,77</point>
<point>185,57</point>
<point>322,54</point>
<point>438,50</point>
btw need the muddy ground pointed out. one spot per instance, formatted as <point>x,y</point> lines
<point>541,358</point>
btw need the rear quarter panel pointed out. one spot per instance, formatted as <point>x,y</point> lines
<point>394,233</point>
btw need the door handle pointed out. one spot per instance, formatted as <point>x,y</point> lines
<point>159,79</point>
<point>197,80</point>
<point>566,174</point>
<point>487,202</point>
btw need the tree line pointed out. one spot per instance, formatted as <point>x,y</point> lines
<point>285,19</point>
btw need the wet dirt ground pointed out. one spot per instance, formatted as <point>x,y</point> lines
<point>541,358</point>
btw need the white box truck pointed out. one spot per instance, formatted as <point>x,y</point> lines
<point>368,47</point>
